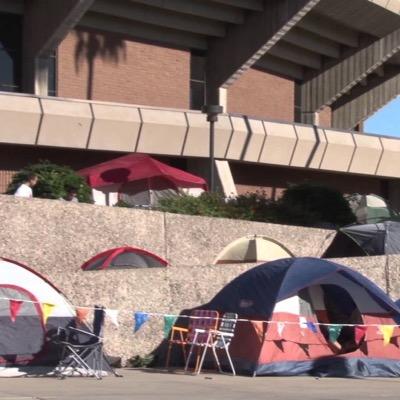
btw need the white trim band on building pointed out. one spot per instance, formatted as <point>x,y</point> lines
<point>66,123</point>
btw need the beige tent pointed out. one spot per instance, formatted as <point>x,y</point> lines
<point>252,248</point>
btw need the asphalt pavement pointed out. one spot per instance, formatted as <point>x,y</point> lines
<point>156,385</point>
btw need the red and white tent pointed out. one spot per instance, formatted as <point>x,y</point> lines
<point>124,257</point>
<point>138,179</point>
<point>289,311</point>
<point>26,339</point>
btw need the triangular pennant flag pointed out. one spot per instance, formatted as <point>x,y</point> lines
<point>305,347</point>
<point>387,332</point>
<point>303,325</point>
<point>280,328</point>
<point>259,328</point>
<point>47,309</point>
<point>359,333</point>
<point>113,316</point>
<point>334,332</point>
<point>279,345</point>
<point>303,322</point>
<point>312,327</point>
<point>140,319</point>
<point>15,306</point>
<point>169,321</point>
<point>81,314</point>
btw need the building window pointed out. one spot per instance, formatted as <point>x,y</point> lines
<point>10,52</point>
<point>52,79</point>
<point>197,81</point>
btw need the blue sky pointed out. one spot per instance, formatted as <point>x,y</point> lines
<point>386,121</point>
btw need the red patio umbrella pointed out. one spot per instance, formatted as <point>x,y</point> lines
<point>135,167</point>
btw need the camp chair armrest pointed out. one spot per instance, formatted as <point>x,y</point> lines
<point>180,329</point>
<point>60,330</point>
<point>198,330</point>
<point>83,332</point>
<point>228,334</point>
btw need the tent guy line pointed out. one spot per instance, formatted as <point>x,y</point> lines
<point>302,323</point>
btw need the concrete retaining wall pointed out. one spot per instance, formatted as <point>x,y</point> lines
<point>55,238</point>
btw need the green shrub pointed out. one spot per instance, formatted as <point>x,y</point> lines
<point>141,362</point>
<point>54,181</point>
<point>252,206</point>
<point>207,204</point>
<point>309,204</point>
<point>303,204</point>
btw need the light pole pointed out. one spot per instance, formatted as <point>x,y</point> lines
<point>212,112</point>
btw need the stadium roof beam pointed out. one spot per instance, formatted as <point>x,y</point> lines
<point>329,29</point>
<point>244,44</point>
<point>296,54</point>
<point>312,42</point>
<point>155,16</point>
<point>144,31</point>
<point>38,44</point>
<point>363,15</point>
<point>363,101</point>
<point>282,67</point>
<point>254,5</point>
<point>198,8</point>
<point>12,6</point>
<point>65,16</point>
<point>329,85</point>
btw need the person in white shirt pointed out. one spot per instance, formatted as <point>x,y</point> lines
<point>25,189</point>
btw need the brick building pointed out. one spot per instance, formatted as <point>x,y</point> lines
<point>83,81</point>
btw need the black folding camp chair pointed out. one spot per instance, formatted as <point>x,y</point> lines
<point>82,350</point>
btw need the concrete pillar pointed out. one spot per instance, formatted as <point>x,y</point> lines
<point>46,23</point>
<point>310,118</point>
<point>224,179</point>
<point>35,76</point>
<point>223,99</point>
<point>394,194</point>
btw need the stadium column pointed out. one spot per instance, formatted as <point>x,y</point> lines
<point>46,23</point>
<point>394,194</point>
<point>327,86</point>
<point>243,45</point>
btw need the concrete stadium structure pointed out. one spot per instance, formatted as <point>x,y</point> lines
<point>88,80</point>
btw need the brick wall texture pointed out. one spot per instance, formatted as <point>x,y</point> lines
<point>108,67</point>
<point>274,180</point>
<point>260,94</point>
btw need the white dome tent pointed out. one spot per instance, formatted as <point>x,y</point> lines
<point>252,248</point>
<point>26,340</point>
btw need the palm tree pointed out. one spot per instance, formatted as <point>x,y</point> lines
<point>91,45</point>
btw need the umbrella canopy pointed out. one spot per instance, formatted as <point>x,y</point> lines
<point>136,167</point>
<point>124,257</point>
<point>252,249</point>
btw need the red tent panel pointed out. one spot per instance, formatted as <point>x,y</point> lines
<point>124,256</point>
